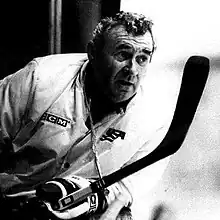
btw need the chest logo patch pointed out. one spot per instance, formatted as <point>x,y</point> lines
<point>55,119</point>
<point>112,134</point>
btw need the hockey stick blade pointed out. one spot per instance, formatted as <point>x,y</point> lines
<point>194,78</point>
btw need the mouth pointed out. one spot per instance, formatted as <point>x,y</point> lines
<point>125,83</point>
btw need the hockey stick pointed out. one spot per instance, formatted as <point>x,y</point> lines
<point>194,78</point>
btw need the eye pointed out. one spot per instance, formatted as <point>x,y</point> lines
<point>142,60</point>
<point>122,56</point>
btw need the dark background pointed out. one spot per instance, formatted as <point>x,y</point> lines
<point>25,28</point>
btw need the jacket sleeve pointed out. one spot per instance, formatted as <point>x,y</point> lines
<point>142,182</point>
<point>15,93</point>
<point>139,184</point>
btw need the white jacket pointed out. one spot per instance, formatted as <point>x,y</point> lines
<point>43,132</point>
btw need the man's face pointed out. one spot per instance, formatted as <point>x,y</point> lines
<point>122,63</point>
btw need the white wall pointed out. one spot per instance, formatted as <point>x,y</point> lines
<point>181,26</point>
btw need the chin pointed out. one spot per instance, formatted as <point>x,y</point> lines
<point>121,98</point>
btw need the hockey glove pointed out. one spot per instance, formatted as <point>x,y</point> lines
<point>51,191</point>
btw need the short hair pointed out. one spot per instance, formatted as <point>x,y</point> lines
<point>134,23</point>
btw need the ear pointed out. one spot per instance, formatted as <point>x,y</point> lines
<point>91,50</point>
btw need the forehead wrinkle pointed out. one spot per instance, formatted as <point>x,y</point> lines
<point>137,45</point>
<point>120,35</point>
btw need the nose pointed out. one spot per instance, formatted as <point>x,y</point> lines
<point>132,67</point>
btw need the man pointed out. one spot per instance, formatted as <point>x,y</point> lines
<point>65,116</point>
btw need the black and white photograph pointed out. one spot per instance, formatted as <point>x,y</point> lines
<point>109,110</point>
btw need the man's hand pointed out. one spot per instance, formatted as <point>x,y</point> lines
<point>117,211</point>
<point>42,203</point>
<point>96,206</point>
